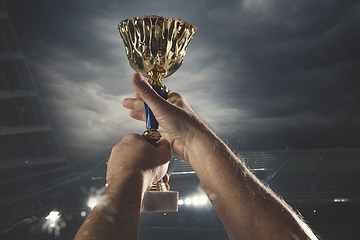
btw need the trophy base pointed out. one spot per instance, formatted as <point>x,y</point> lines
<point>159,186</point>
<point>160,201</point>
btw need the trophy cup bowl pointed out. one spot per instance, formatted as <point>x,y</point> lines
<point>155,47</point>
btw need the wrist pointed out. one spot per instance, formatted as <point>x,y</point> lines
<point>117,213</point>
<point>131,180</point>
<point>198,141</point>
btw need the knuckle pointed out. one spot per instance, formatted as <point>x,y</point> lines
<point>173,95</point>
<point>131,137</point>
<point>116,147</point>
<point>176,99</point>
<point>125,141</point>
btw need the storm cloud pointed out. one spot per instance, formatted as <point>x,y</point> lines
<point>263,74</point>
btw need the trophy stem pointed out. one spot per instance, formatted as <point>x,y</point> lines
<point>159,186</point>
<point>152,134</point>
<point>155,80</point>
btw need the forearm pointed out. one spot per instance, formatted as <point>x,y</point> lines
<point>248,209</point>
<point>116,216</point>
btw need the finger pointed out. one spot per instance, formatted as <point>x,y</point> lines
<point>137,95</point>
<point>128,103</point>
<point>166,178</point>
<point>176,99</point>
<point>145,91</point>
<point>173,96</point>
<point>166,181</point>
<point>132,103</point>
<point>138,115</point>
<point>164,144</point>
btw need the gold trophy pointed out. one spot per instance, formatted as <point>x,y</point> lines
<point>155,47</point>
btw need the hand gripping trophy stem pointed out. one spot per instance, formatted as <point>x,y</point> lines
<point>155,47</point>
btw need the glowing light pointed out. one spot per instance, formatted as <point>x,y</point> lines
<point>197,200</point>
<point>53,216</point>
<point>188,201</point>
<point>92,202</point>
<point>53,223</point>
<point>200,200</point>
<point>83,213</point>
<point>340,199</point>
<point>95,196</point>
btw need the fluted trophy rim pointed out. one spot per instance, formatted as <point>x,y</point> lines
<point>156,16</point>
<point>155,45</point>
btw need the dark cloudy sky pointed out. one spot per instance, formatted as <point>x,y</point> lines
<point>264,74</point>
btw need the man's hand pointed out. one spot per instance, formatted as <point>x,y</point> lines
<point>174,115</point>
<point>134,155</point>
<point>247,208</point>
<point>133,166</point>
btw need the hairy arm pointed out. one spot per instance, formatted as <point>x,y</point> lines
<point>116,216</point>
<point>247,208</point>
<point>133,166</point>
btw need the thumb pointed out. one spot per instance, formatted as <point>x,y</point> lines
<point>146,92</point>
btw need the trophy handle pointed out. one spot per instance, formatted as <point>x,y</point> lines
<point>151,122</point>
